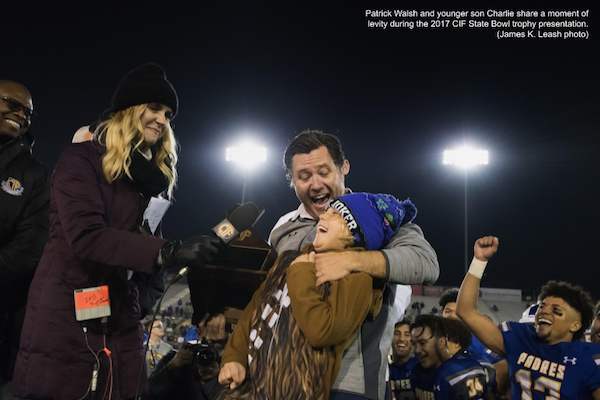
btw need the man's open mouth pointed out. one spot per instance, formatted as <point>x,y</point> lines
<point>544,321</point>
<point>13,123</point>
<point>321,199</point>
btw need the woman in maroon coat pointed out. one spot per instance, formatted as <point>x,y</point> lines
<point>99,192</point>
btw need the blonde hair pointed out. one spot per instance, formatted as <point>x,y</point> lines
<point>122,134</point>
<point>344,233</point>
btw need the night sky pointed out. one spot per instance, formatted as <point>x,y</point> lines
<point>396,98</point>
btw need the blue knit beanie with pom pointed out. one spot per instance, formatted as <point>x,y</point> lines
<point>373,219</point>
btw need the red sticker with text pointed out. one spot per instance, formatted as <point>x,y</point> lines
<point>92,299</point>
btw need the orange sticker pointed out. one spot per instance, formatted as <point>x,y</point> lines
<point>92,299</point>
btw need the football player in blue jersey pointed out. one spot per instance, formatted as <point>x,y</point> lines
<point>401,363</point>
<point>501,383</point>
<point>448,304</point>
<point>546,360</point>
<point>458,339</point>
<point>458,336</point>
<point>439,375</point>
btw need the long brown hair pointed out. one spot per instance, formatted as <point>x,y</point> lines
<point>285,366</point>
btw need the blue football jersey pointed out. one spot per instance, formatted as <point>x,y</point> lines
<point>399,384</point>
<point>460,377</point>
<point>479,348</point>
<point>488,367</point>
<point>566,370</point>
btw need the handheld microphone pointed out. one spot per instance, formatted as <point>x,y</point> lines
<point>242,218</point>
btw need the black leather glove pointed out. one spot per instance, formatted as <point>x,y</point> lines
<point>192,253</point>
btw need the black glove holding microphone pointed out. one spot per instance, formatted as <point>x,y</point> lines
<point>195,251</point>
<point>192,252</point>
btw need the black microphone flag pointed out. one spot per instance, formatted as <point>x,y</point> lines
<point>242,218</point>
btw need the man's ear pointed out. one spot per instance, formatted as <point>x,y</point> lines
<point>575,326</point>
<point>442,342</point>
<point>346,167</point>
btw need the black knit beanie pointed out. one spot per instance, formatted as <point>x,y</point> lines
<point>145,84</point>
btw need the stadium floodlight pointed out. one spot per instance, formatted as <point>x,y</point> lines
<point>466,158</point>
<point>247,156</point>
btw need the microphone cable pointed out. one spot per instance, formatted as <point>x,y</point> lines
<point>96,370</point>
<point>175,279</point>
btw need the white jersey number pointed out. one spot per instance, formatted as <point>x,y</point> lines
<point>541,384</point>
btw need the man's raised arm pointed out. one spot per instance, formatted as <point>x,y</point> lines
<point>466,305</point>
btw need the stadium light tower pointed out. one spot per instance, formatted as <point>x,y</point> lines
<point>466,158</point>
<point>247,156</point>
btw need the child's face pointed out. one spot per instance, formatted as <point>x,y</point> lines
<point>330,232</point>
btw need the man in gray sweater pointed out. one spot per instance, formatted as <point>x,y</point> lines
<point>316,168</point>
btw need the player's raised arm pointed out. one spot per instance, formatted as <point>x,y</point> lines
<point>466,305</point>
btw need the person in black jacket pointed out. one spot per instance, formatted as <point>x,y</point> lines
<point>24,214</point>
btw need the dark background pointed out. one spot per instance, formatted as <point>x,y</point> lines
<point>396,98</point>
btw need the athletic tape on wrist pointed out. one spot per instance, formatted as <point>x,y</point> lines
<point>477,267</point>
